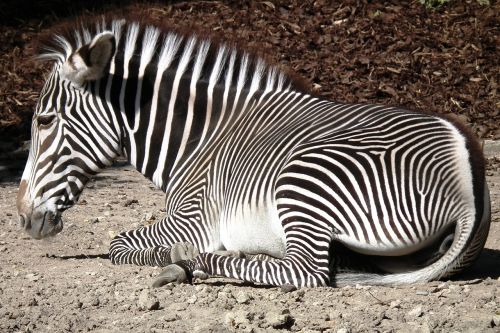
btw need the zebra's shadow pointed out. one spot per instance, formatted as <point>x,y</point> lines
<point>486,266</point>
<point>81,256</point>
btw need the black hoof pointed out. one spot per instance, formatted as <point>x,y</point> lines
<point>171,274</point>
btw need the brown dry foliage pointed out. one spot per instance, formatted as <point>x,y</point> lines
<point>394,53</point>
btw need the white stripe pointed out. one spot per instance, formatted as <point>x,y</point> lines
<point>195,76</point>
<point>183,63</point>
<point>169,50</point>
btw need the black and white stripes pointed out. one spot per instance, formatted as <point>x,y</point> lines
<point>252,164</point>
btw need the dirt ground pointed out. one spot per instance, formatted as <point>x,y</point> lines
<point>68,284</point>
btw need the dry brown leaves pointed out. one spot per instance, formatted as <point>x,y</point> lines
<point>394,53</point>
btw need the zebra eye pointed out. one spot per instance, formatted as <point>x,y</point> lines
<point>46,120</point>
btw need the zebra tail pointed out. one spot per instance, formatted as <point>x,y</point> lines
<point>464,249</point>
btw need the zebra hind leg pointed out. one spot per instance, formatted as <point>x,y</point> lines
<point>179,271</point>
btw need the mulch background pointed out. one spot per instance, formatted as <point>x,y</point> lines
<point>386,52</point>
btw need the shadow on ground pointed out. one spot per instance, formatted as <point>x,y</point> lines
<point>486,266</point>
<point>82,256</point>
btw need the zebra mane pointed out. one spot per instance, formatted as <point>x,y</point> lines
<point>165,44</point>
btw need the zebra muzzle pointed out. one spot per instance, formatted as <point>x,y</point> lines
<point>41,224</point>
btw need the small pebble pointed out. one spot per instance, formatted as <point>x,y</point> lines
<point>297,295</point>
<point>148,301</point>
<point>442,286</point>
<point>130,202</point>
<point>170,317</point>
<point>415,312</point>
<point>495,321</point>
<point>396,304</point>
<point>95,219</point>
<point>242,297</point>
<point>278,319</point>
<point>288,287</point>
<point>147,217</point>
<point>236,319</point>
<point>224,295</point>
<point>33,302</point>
<point>32,277</point>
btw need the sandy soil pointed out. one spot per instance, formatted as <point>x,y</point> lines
<point>68,284</point>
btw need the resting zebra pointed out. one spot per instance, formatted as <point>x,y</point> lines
<point>263,181</point>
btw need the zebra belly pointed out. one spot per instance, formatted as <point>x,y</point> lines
<point>253,230</point>
<point>389,249</point>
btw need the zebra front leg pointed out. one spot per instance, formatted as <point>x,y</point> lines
<point>159,255</point>
<point>146,247</point>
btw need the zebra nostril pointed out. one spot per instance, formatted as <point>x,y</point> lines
<point>22,220</point>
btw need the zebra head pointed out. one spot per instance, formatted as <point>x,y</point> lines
<point>73,135</point>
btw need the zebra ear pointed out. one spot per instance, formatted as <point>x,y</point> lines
<point>89,61</point>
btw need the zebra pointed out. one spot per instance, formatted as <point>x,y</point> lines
<point>264,181</point>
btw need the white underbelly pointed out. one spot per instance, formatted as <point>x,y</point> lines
<point>388,249</point>
<point>253,230</point>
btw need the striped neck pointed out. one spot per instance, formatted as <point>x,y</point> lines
<point>175,94</point>
<point>169,93</point>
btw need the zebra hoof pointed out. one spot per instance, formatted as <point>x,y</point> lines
<point>172,273</point>
<point>183,251</point>
<point>200,275</point>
